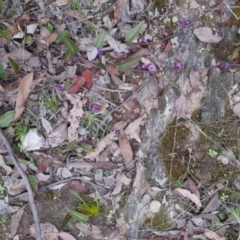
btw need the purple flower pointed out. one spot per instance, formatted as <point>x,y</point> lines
<point>59,88</point>
<point>151,67</point>
<point>144,66</point>
<point>100,52</point>
<point>182,22</point>
<point>144,40</point>
<point>178,65</point>
<point>84,137</point>
<point>96,108</point>
<point>226,65</point>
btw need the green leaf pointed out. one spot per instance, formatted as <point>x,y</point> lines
<point>14,65</point>
<point>33,182</point>
<point>127,64</point>
<point>3,75</point>
<point>235,53</point>
<point>2,189</point>
<point>5,33</point>
<point>50,196</point>
<point>65,221</point>
<point>71,46</point>
<point>133,33</point>
<point>61,35</point>
<point>7,118</point>
<point>50,27</point>
<point>71,146</point>
<point>1,6</point>
<point>78,216</point>
<point>100,40</point>
<point>86,147</point>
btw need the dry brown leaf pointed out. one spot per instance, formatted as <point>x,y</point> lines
<point>168,47</point>
<point>60,3</point>
<point>58,135</point>
<point>23,21</point>
<point>211,206</point>
<point>19,55</point>
<point>78,82</point>
<point>51,38</point>
<point>212,235</point>
<point>139,174</point>
<point>125,146</point>
<point>112,70</point>
<point>236,109</point>
<point>101,145</point>
<point>7,169</point>
<point>66,236</point>
<point>117,12</point>
<point>189,195</point>
<point>131,104</point>
<point>205,34</point>
<point>133,129</point>
<point>77,15</point>
<point>94,165</point>
<point>191,186</point>
<point>16,220</point>
<point>90,230</point>
<point>24,90</point>
<point>181,106</point>
<point>74,116</point>
<point>48,231</point>
<point>45,161</point>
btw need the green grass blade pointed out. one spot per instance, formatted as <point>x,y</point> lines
<point>7,118</point>
<point>1,6</point>
<point>127,64</point>
<point>78,216</point>
<point>100,40</point>
<point>71,46</point>
<point>62,35</point>
<point>14,65</point>
<point>5,34</point>
<point>133,33</point>
<point>33,182</point>
<point>3,74</point>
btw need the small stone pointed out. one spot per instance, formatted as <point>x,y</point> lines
<point>155,206</point>
<point>32,141</point>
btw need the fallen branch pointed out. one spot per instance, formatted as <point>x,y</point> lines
<point>25,179</point>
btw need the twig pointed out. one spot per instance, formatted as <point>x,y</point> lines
<point>70,179</point>
<point>25,179</point>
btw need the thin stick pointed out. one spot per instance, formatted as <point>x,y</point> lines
<point>25,179</point>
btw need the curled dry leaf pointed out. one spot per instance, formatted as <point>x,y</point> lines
<point>205,34</point>
<point>47,161</point>
<point>78,82</point>
<point>189,195</point>
<point>87,74</point>
<point>77,15</point>
<point>125,146</point>
<point>16,220</point>
<point>23,21</point>
<point>51,38</point>
<point>48,231</point>
<point>24,90</point>
<point>191,186</point>
<point>112,70</point>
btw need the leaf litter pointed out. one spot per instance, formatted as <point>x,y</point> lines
<point>81,115</point>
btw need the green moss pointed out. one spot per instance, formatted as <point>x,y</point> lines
<point>161,221</point>
<point>172,150</point>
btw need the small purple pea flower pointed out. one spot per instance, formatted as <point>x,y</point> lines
<point>182,22</point>
<point>59,88</point>
<point>144,66</point>
<point>151,67</point>
<point>96,108</point>
<point>226,65</point>
<point>144,40</point>
<point>178,65</point>
<point>100,52</point>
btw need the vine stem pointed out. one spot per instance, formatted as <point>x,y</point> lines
<point>29,190</point>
